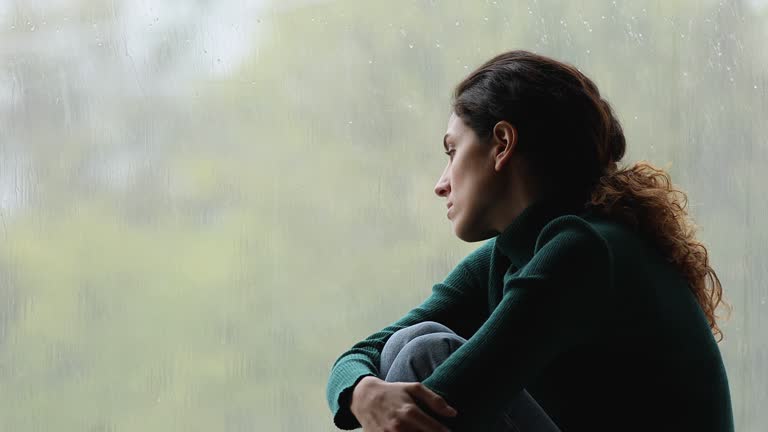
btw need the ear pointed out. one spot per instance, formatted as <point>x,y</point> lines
<point>504,143</point>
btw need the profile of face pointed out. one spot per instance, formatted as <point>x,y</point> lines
<point>475,180</point>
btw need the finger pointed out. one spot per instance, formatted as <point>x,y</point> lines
<point>432,400</point>
<point>423,422</point>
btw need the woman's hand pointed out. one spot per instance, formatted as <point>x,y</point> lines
<point>382,406</point>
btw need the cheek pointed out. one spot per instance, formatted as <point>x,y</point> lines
<point>465,174</point>
<point>472,186</point>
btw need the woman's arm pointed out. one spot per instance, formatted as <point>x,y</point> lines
<point>459,302</point>
<point>561,298</point>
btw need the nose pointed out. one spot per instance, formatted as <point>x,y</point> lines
<point>442,188</point>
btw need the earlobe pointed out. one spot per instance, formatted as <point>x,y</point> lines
<point>506,155</point>
<point>505,139</point>
<point>502,158</point>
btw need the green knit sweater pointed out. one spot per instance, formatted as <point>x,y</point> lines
<point>580,311</point>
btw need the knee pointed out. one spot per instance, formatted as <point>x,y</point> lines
<point>420,329</point>
<point>430,327</point>
<point>414,359</point>
<point>432,346</point>
<point>404,336</point>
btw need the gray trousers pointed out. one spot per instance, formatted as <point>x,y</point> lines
<point>412,353</point>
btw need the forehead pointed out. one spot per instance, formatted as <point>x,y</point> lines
<point>455,126</point>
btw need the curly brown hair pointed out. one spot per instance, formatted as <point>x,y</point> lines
<point>558,111</point>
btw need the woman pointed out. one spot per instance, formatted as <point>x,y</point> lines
<point>590,307</point>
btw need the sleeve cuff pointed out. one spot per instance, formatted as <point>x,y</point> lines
<point>344,419</point>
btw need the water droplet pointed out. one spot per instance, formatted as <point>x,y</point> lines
<point>410,45</point>
<point>485,18</point>
<point>370,61</point>
<point>457,23</point>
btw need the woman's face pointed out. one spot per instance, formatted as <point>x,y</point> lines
<point>468,181</point>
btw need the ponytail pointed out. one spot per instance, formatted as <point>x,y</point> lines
<point>643,197</point>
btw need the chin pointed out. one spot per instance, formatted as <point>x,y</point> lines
<point>464,238</point>
<point>471,235</point>
<point>459,231</point>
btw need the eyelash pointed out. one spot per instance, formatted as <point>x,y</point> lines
<point>449,152</point>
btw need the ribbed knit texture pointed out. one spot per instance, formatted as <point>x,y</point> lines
<point>582,313</point>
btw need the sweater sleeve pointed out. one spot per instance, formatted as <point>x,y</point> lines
<point>555,302</point>
<point>459,302</point>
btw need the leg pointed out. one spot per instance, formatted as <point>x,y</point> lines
<point>397,342</point>
<point>411,354</point>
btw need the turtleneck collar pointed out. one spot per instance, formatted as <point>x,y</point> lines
<point>518,240</point>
